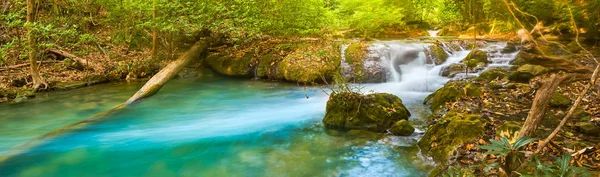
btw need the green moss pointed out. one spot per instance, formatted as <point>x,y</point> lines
<point>402,128</point>
<point>443,137</point>
<point>560,101</point>
<point>473,90</point>
<point>492,74</point>
<point>478,55</point>
<point>267,67</point>
<point>588,128</point>
<point>526,72</point>
<point>440,56</point>
<point>448,93</point>
<point>310,64</point>
<point>231,65</point>
<point>373,112</point>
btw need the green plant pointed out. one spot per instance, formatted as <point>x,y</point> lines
<point>510,154</point>
<point>560,168</point>
<point>458,172</point>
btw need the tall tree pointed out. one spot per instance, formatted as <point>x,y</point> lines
<point>154,33</point>
<point>35,74</point>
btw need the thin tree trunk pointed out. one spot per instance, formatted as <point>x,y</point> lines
<point>575,105</point>
<point>35,75</point>
<point>540,105</point>
<point>154,33</point>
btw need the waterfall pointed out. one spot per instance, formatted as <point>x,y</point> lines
<point>418,78</point>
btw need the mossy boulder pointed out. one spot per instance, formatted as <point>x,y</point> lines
<point>454,69</point>
<point>359,67</point>
<point>239,65</point>
<point>443,137</point>
<point>311,63</point>
<point>374,112</point>
<point>527,72</point>
<point>473,90</point>
<point>449,93</point>
<point>492,74</point>
<point>510,47</point>
<point>477,55</point>
<point>402,128</point>
<point>267,67</point>
<point>560,101</point>
<point>438,55</point>
<point>588,128</point>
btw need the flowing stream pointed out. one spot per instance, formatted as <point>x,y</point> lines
<point>214,126</point>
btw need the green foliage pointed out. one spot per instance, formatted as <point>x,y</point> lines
<point>561,168</point>
<point>509,152</point>
<point>370,17</point>
<point>458,172</point>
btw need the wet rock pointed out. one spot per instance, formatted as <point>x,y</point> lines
<point>438,55</point>
<point>492,74</point>
<point>267,67</point>
<point>373,112</point>
<point>477,55</point>
<point>402,128</point>
<point>511,47</point>
<point>560,101</point>
<point>527,72</point>
<point>588,128</point>
<point>443,137</point>
<point>457,68</point>
<point>363,64</point>
<point>239,66</point>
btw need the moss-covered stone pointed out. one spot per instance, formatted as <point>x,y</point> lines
<point>448,93</point>
<point>442,138</point>
<point>588,128</point>
<point>527,72</point>
<point>267,67</point>
<point>453,69</point>
<point>560,101</point>
<point>478,55</point>
<point>311,63</point>
<point>438,54</point>
<point>473,90</point>
<point>448,31</point>
<point>492,74</point>
<point>240,66</point>
<point>402,128</point>
<point>373,112</point>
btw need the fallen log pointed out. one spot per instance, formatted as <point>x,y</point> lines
<point>554,64</point>
<point>199,50</point>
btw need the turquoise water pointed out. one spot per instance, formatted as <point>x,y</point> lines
<point>207,126</point>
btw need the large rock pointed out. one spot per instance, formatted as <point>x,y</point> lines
<point>457,68</point>
<point>492,74</point>
<point>444,136</point>
<point>478,55</point>
<point>240,66</point>
<point>311,63</point>
<point>402,128</point>
<point>437,54</point>
<point>362,64</point>
<point>374,112</point>
<point>527,72</point>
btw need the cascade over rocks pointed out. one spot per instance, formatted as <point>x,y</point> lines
<point>374,112</point>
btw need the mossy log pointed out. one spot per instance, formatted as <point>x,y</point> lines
<point>199,50</point>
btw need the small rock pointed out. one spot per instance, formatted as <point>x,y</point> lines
<point>402,128</point>
<point>588,128</point>
<point>560,101</point>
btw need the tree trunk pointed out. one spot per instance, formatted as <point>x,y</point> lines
<point>35,74</point>
<point>540,105</point>
<point>154,33</point>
